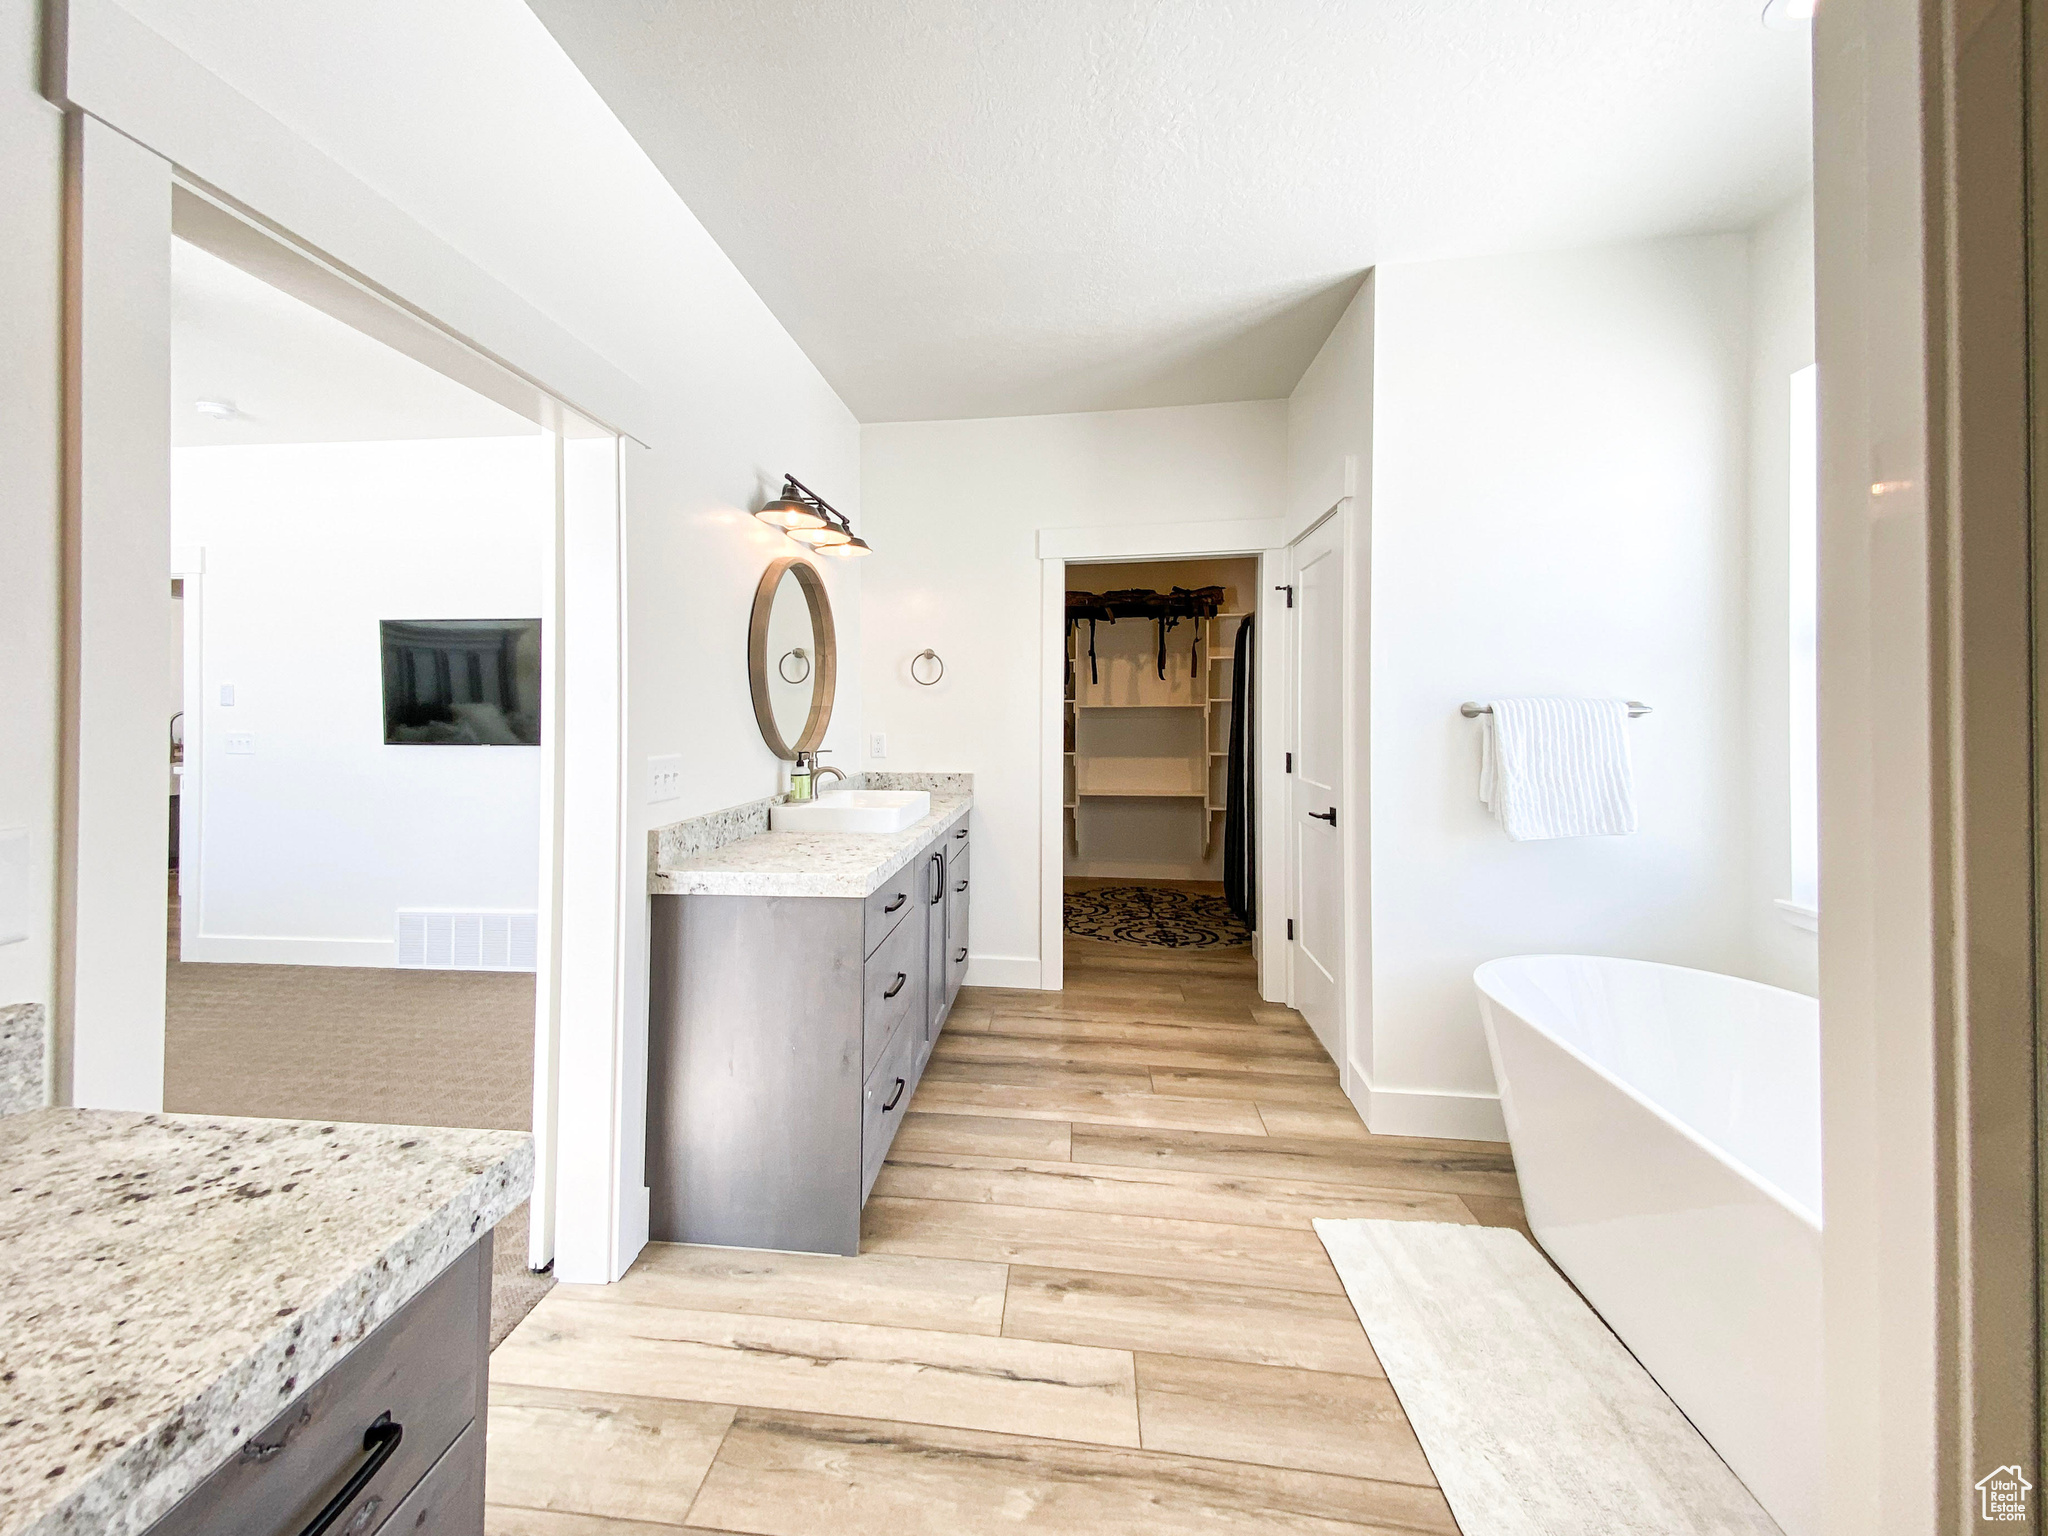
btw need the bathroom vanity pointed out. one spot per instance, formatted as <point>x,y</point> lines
<point>798,982</point>
<point>239,1327</point>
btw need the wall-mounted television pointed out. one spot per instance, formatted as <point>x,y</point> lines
<point>461,682</point>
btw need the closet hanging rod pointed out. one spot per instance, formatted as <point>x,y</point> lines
<point>1473,711</point>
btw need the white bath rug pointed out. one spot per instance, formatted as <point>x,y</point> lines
<point>1535,1418</point>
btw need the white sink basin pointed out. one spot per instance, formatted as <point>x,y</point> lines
<point>852,810</point>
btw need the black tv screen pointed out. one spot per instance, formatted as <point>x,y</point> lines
<point>461,682</point>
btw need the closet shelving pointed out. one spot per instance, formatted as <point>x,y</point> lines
<point>1133,735</point>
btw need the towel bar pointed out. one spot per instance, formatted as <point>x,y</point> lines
<point>1473,711</point>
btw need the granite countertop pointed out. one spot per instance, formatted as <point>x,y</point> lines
<point>175,1281</point>
<point>806,863</point>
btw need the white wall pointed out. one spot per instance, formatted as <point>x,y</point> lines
<point>1781,342</point>
<point>307,848</point>
<point>1558,490</point>
<point>953,509</point>
<point>31,335</point>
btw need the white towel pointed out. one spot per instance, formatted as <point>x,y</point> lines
<point>1558,768</point>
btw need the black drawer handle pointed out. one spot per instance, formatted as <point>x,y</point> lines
<point>379,1440</point>
<point>894,1099</point>
<point>900,979</point>
<point>961,956</point>
<point>901,897</point>
<point>961,833</point>
<point>961,886</point>
<point>1330,815</point>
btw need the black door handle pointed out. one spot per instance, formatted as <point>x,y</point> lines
<point>938,879</point>
<point>900,979</point>
<point>1330,815</point>
<point>901,897</point>
<point>894,1098</point>
<point>379,1440</point>
<point>961,956</point>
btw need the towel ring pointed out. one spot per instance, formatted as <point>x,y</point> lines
<point>782,666</point>
<point>927,654</point>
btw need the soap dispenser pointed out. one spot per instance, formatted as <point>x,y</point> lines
<point>800,777</point>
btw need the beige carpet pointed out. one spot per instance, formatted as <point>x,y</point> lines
<point>383,1047</point>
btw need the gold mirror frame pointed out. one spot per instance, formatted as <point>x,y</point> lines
<point>826,678</point>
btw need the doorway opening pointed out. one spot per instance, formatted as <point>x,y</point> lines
<point>1159,762</point>
<point>363,553</point>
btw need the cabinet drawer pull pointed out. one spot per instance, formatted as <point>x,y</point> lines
<point>961,886</point>
<point>900,979</point>
<point>379,1440</point>
<point>894,1099</point>
<point>961,833</point>
<point>961,956</point>
<point>938,879</point>
<point>901,897</point>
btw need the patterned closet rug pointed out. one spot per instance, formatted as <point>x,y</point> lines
<point>1154,916</point>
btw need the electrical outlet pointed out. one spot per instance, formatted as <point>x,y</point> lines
<point>241,745</point>
<point>664,778</point>
<point>878,745</point>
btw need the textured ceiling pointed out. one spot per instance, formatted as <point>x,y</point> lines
<point>998,207</point>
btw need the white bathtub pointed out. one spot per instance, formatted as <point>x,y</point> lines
<point>1666,1129</point>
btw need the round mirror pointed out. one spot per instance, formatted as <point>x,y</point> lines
<point>792,659</point>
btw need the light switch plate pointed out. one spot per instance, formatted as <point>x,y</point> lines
<point>664,779</point>
<point>240,744</point>
<point>878,745</point>
<point>227,695</point>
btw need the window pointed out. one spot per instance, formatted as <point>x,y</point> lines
<point>1804,567</point>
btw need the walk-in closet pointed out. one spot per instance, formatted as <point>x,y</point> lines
<point>1152,705</point>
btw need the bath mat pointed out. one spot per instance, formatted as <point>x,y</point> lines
<point>1155,916</point>
<point>1536,1420</point>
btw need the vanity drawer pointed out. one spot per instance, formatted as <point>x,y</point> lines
<point>424,1368</point>
<point>956,843</point>
<point>449,1500</point>
<point>890,903</point>
<point>883,1101</point>
<point>893,988</point>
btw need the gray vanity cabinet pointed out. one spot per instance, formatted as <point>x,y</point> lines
<point>395,1429</point>
<point>787,1035</point>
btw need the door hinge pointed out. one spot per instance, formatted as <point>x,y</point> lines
<point>1290,928</point>
<point>1290,762</point>
<point>1290,594</point>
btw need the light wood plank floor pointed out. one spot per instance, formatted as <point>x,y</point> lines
<point>1088,1300</point>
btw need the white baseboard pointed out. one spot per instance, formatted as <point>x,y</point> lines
<point>1426,1111</point>
<point>225,949</point>
<point>1002,971</point>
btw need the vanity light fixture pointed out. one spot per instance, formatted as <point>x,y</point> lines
<point>808,518</point>
<point>789,511</point>
<point>1789,15</point>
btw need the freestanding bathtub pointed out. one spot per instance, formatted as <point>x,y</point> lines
<point>1666,1130</point>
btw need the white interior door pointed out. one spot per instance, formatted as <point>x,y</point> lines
<point>1317,717</point>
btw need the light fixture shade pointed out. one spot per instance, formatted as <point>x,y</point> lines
<point>819,538</point>
<point>852,548</point>
<point>788,513</point>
